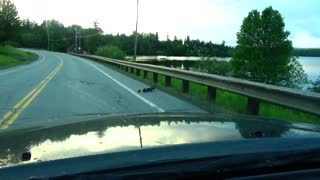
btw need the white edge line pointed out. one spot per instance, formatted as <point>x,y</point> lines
<point>27,66</point>
<point>128,89</point>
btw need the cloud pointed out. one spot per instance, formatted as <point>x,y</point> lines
<point>200,19</point>
<point>305,40</point>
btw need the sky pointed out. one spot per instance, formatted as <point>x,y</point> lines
<point>208,20</point>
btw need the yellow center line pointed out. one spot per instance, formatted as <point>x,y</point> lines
<point>9,113</point>
<point>5,116</point>
<point>26,101</point>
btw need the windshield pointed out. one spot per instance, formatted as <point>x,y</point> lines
<point>87,77</point>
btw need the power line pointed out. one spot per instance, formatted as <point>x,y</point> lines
<point>226,3</point>
<point>91,35</point>
<point>57,40</point>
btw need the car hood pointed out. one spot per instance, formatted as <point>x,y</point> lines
<point>132,132</point>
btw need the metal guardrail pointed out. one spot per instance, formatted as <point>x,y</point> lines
<point>255,92</point>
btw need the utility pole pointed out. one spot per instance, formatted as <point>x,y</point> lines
<point>48,35</point>
<point>136,38</point>
<point>80,39</point>
<point>76,39</point>
<point>48,40</point>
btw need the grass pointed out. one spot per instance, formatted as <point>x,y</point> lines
<point>197,90</point>
<point>161,80</point>
<point>7,61</point>
<point>230,102</point>
<point>275,111</point>
<point>176,83</point>
<point>10,56</point>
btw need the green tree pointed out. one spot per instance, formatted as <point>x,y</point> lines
<point>9,21</point>
<point>213,66</point>
<point>264,53</point>
<point>315,86</point>
<point>92,37</point>
<point>296,76</point>
<point>32,35</point>
<point>111,52</point>
<point>58,39</point>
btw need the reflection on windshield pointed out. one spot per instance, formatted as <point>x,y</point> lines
<point>128,133</point>
<point>127,138</point>
<point>270,130</point>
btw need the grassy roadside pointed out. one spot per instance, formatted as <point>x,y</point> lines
<point>10,56</point>
<point>237,103</point>
<point>225,101</point>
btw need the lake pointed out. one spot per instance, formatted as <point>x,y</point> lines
<point>311,65</point>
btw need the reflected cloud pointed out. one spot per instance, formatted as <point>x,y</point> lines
<point>127,138</point>
<point>131,133</point>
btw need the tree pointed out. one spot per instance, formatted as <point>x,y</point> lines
<point>296,76</point>
<point>213,66</point>
<point>31,35</point>
<point>58,40</point>
<point>315,86</point>
<point>92,37</point>
<point>9,21</point>
<point>264,53</point>
<point>311,52</point>
<point>111,52</point>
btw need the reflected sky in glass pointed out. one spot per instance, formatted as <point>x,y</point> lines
<point>127,138</point>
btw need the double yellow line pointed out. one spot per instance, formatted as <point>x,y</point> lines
<point>8,118</point>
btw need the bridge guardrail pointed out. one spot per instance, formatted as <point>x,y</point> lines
<point>255,92</point>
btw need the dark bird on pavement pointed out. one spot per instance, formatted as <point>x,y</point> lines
<point>149,89</point>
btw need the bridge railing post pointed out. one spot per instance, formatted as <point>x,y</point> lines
<point>155,77</point>
<point>253,106</point>
<point>212,93</point>
<point>137,72</point>
<point>167,81</point>
<point>185,86</point>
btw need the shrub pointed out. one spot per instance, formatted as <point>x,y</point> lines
<point>213,66</point>
<point>113,52</point>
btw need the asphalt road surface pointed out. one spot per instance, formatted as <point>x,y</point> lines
<point>59,88</point>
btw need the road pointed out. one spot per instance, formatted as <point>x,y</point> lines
<point>59,88</point>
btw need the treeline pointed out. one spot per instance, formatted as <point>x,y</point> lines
<point>61,38</point>
<point>263,52</point>
<point>33,35</point>
<point>311,52</point>
<point>54,36</point>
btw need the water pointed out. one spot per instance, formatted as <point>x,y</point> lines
<point>311,65</point>
<point>176,58</point>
